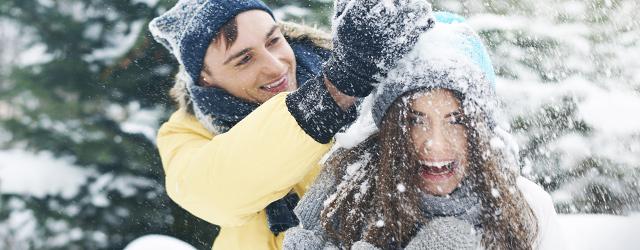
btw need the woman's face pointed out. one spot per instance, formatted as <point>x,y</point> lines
<point>439,139</point>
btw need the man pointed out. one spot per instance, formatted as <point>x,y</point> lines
<point>242,147</point>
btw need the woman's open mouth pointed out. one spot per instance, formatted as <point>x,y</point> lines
<point>438,170</point>
<point>277,86</point>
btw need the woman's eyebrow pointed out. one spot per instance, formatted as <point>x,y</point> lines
<point>456,112</point>
<point>415,112</point>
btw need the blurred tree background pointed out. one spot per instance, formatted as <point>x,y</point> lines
<point>94,78</point>
<point>569,77</point>
<point>83,81</point>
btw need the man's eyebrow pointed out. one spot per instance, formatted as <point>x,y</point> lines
<point>272,30</point>
<point>236,55</point>
<point>244,51</point>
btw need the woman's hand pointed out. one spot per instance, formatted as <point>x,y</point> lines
<point>446,233</point>
<point>298,238</point>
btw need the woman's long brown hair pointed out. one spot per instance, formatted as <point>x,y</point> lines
<point>368,205</point>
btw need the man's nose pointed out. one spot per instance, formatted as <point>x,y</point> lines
<point>273,66</point>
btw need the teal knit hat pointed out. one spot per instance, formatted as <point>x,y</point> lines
<point>449,56</point>
<point>474,47</point>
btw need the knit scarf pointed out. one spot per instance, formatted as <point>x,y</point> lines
<point>220,111</point>
<point>463,203</point>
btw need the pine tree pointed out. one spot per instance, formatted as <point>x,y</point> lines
<point>101,75</point>
<point>102,72</point>
<point>74,104</point>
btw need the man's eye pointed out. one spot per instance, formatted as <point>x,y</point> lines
<point>273,41</point>
<point>245,59</point>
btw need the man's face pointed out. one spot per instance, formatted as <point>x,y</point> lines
<point>259,65</point>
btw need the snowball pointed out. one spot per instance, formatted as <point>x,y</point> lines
<point>401,188</point>
<point>496,143</point>
<point>495,192</point>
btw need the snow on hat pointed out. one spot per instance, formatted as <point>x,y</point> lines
<point>187,29</point>
<point>449,56</point>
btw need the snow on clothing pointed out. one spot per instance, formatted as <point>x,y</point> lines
<point>229,178</point>
<point>250,156</point>
<point>445,57</point>
<point>188,28</point>
<point>309,235</point>
<point>366,46</point>
<point>460,63</point>
<point>439,234</point>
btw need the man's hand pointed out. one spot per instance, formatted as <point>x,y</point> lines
<point>369,37</point>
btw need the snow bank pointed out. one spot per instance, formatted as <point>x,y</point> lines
<point>154,241</point>
<point>601,231</point>
<point>582,231</point>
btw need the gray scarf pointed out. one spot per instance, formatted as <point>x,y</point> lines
<point>463,203</point>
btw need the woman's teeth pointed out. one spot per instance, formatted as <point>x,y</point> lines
<point>437,168</point>
<point>437,163</point>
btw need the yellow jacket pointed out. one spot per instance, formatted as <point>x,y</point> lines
<point>229,179</point>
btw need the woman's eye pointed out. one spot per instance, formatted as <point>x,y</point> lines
<point>415,120</point>
<point>457,120</point>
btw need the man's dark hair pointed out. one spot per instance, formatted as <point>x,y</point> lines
<point>228,32</point>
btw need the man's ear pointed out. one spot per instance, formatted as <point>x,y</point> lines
<point>204,81</point>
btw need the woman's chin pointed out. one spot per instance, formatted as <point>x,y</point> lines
<point>437,190</point>
<point>438,185</point>
<point>442,188</point>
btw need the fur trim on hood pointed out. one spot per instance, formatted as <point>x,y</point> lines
<point>291,31</point>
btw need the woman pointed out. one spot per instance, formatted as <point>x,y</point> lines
<point>438,173</point>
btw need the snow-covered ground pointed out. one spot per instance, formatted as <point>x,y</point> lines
<point>154,241</point>
<point>582,231</point>
<point>601,231</point>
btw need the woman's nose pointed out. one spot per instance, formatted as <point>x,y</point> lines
<point>437,141</point>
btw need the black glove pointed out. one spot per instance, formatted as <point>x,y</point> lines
<point>369,37</point>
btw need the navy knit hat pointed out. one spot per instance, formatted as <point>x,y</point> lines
<point>187,29</point>
<point>449,56</point>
